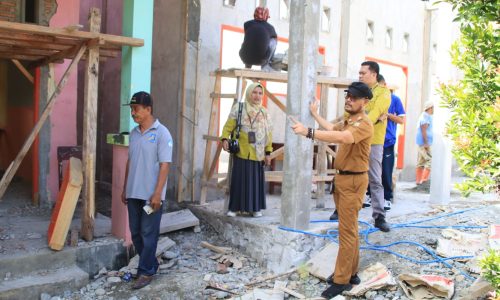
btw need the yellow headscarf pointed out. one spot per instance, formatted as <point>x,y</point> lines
<point>254,118</point>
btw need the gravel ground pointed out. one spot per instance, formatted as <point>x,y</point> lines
<point>189,268</point>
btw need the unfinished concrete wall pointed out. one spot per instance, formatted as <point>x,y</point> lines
<point>407,17</point>
<point>167,72</point>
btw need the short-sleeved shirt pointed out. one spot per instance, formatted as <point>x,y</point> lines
<point>377,106</point>
<point>145,153</point>
<point>397,109</point>
<point>425,118</point>
<point>355,157</point>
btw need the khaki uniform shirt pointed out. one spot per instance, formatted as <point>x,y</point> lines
<point>355,157</point>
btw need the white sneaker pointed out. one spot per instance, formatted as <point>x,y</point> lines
<point>257,214</point>
<point>231,214</point>
<point>368,201</point>
<point>387,205</point>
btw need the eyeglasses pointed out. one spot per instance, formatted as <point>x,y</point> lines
<point>349,96</point>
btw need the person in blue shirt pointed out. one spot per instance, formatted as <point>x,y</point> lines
<point>395,116</point>
<point>149,158</point>
<point>424,142</point>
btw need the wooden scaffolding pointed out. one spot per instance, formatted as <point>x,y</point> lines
<point>40,46</point>
<point>211,179</point>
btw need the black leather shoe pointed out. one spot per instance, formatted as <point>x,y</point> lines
<point>354,279</point>
<point>381,224</point>
<point>334,216</point>
<point>335,290</point>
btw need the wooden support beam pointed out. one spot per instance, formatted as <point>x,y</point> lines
<point>90,129</point>
<point>321,156</point>
<point>212,131</point>
<point>214,161</point>
<point>61,32</point>
<point>275,100</point>
<point>11,170</point>
<point>23,70</point>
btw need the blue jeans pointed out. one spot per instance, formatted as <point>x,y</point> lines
<point>387,168</point>
<point>145,230</point>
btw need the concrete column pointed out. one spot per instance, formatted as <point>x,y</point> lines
<point>136,61</point>
<point>343,51</point>
<point>440,170</point>
<point>302,53</point>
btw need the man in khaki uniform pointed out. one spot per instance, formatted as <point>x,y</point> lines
<point>353,135</point>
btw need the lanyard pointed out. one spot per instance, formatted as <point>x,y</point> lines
<point>249,118</point>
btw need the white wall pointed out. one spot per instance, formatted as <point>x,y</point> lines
<point>403,16</point>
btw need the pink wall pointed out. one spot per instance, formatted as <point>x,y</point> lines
<point>63,117</point>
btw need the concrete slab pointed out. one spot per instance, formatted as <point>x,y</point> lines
<point>53,282</point>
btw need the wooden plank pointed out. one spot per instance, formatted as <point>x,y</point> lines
<point>333,153</point>
<point>280,77</point>
<point>216,249</point>
<point>212,131</point>
<point>90,129</point>
<point>218,95</point>
<point>214,161</point>
<point>322,264</point>
<point>65,205</point>
<point>61,32</point>
<point>27,51</point>
<point>277,152</point>
<point>20,56</point>
<point>321,156</point>
<point>23,70</point>
<point>276,100</point>
<point>211,138</point>
<point>277,176</point>
<point>178,220</point>
<point>11,170</point>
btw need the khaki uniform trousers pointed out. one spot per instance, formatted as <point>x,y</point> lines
<point>348,196</point>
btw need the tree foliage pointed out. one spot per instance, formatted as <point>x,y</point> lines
<point>474,101</point>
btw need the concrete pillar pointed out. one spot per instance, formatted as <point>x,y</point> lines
<point>343,51</point>
<point>135,76</point>
<point>302,53</point>
<point>136,61</point>
<point>440,170</point>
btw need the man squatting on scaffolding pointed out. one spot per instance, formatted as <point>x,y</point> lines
<point>149,156</point>
<point>353,135</point>
<point>259,42</point>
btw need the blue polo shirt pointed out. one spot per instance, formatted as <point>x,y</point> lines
<point>396,108</point>
<point>145,153</point>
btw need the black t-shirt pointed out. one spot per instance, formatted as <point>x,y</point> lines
<point>256,41</point>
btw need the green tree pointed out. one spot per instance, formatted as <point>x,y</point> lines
<point>474,101</point>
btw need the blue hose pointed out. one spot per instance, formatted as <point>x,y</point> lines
<point>332,235</point>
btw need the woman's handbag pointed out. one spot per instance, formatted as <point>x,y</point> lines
<point>234,146</point>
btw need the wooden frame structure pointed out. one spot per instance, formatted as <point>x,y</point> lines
<point>321,175</point>
<point>39,46</point>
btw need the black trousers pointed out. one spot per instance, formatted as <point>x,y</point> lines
<point>387,169</point>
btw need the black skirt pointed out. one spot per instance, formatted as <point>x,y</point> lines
<point>247,186</point>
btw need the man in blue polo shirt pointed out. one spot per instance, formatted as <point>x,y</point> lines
<point>149,156</point>
<point>395,116</point>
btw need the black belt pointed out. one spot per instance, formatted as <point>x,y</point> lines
<point>349,172</point>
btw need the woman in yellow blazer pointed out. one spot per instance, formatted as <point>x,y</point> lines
<point>247,180</point>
